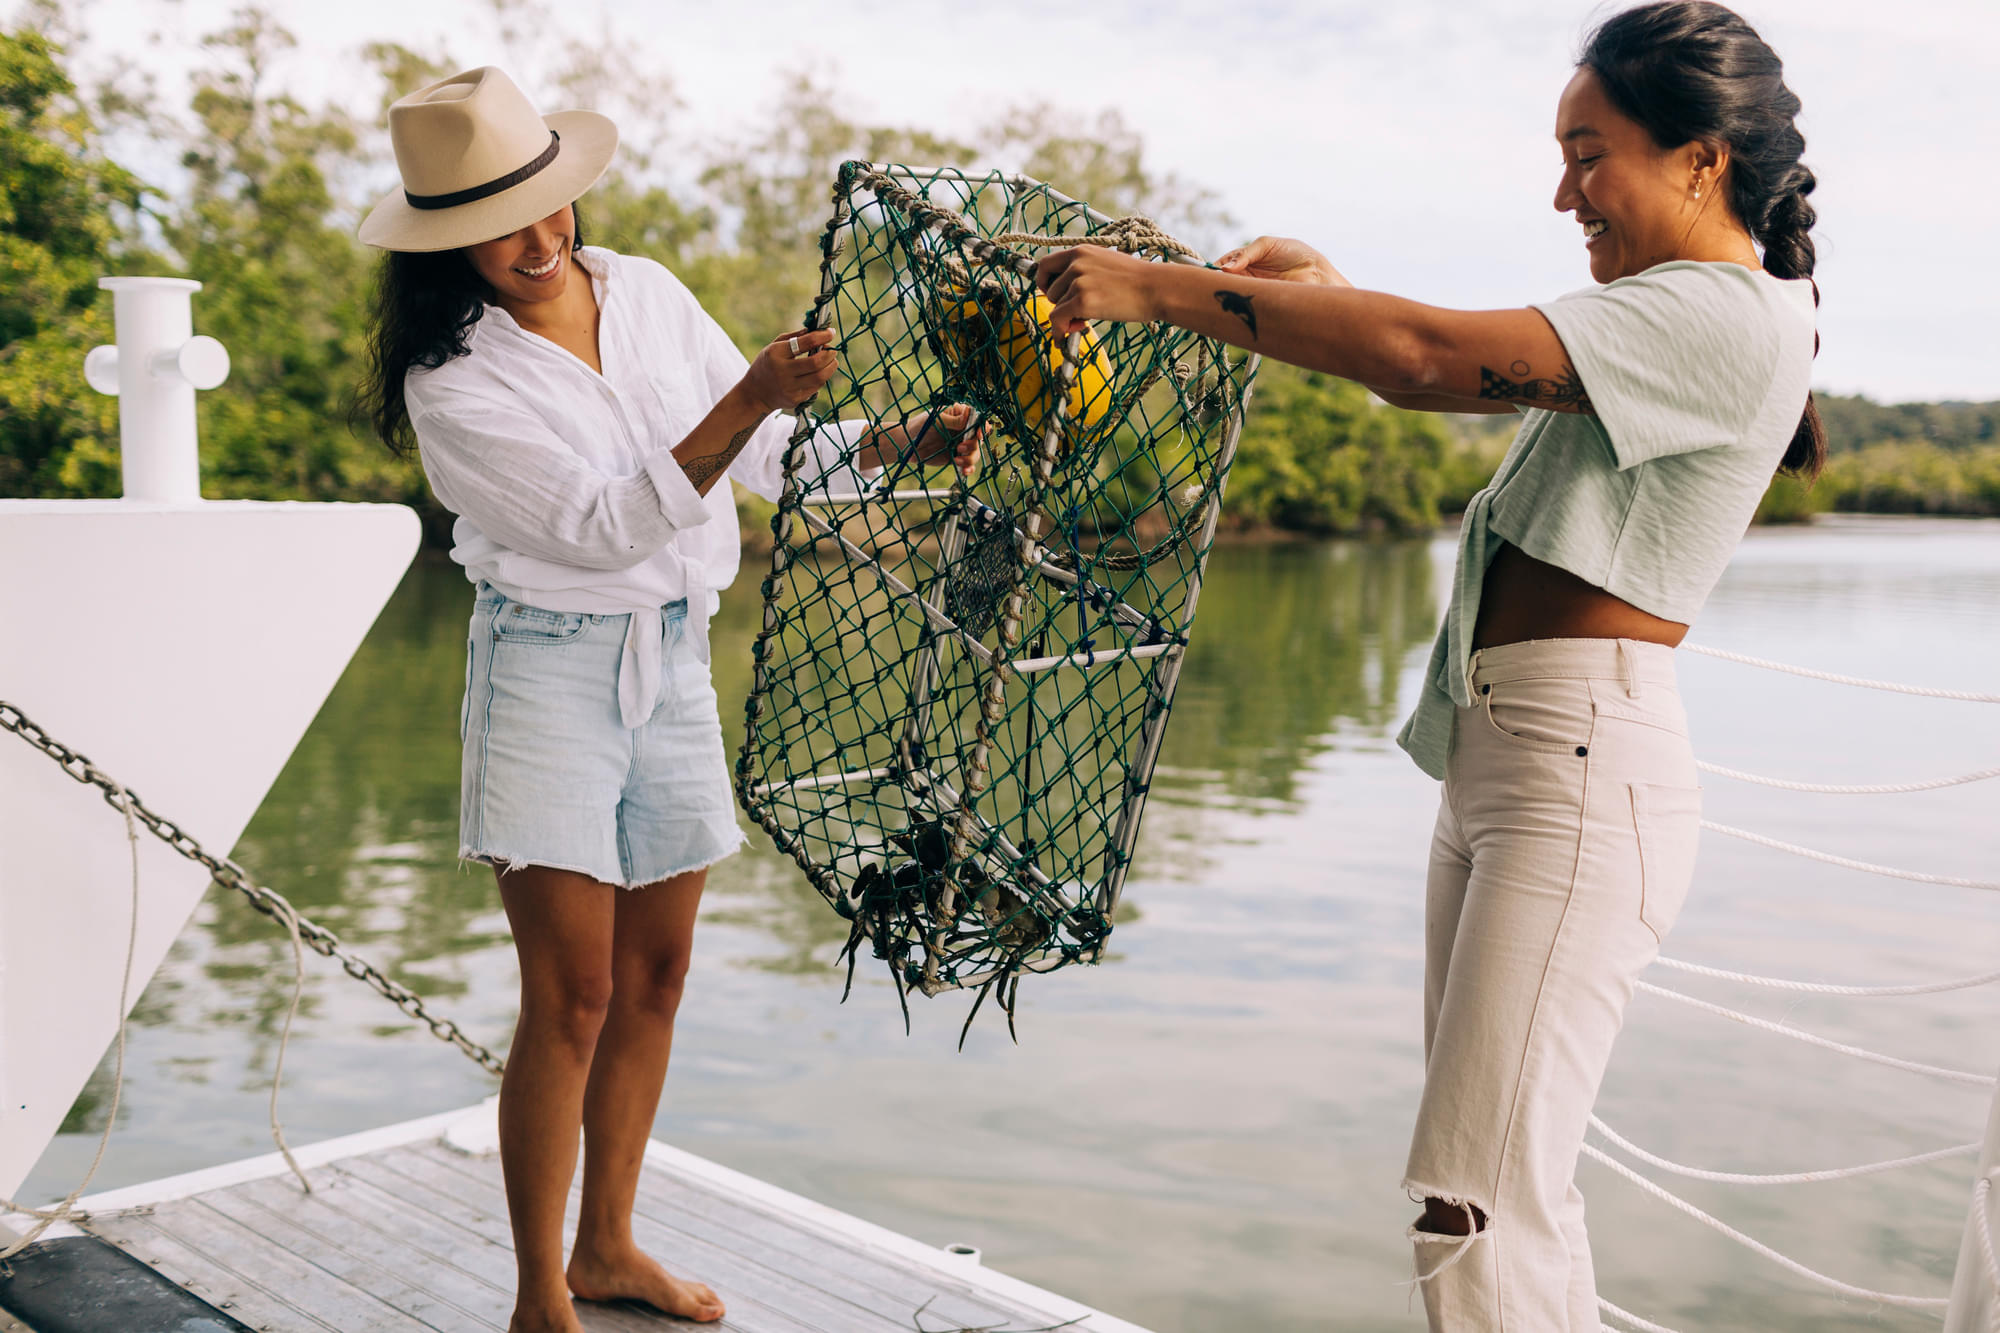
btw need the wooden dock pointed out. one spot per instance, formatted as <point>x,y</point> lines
<point>406,1231</point>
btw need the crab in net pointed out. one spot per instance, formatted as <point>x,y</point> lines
<point>960,686</point>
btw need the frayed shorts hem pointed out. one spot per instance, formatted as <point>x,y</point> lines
<point>503,863</point>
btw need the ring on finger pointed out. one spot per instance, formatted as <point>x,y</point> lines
<point>793,343</point>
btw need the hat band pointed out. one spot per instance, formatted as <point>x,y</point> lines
<point>492,187</point>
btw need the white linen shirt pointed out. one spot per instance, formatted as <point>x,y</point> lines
<point>567,493</point>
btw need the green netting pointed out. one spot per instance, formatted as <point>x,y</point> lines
<point>960,689</point>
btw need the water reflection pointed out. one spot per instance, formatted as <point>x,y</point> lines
<point>1206,1132</point>
<point>1294,646</point>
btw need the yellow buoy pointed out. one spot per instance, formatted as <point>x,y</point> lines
<point>1028,363</point>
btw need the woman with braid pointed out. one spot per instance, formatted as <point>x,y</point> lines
<point>1655,407</point>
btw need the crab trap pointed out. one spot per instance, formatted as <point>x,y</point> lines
<point>960,687</point>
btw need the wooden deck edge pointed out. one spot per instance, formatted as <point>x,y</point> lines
<point>475,1130</point>
<point>188,1183</point>
<point>478,1132</point>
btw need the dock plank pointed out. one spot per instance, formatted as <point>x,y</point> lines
<point>437,1189</point>
<point>395,1272</point>
<point>732,1275</point>
<point>857,1273</point>
<point>472,1249</point>
<point>303,1283</point>
<point>253,1298</point>
<point>402,1233</point>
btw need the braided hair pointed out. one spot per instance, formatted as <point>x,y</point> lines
<point>1691,70</point>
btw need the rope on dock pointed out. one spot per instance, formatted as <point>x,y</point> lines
<point>67,1211</point>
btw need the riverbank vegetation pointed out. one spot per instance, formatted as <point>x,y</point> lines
<point>256,193</point>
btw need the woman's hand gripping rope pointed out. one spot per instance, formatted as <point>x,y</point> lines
<point>1097,284</point>
<point>792,368</point>
<point>950,433</point>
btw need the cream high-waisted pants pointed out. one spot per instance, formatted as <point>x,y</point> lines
<point>1565,845</point>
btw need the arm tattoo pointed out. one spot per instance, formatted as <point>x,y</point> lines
<point>706,468</point>
<point>1564,390</point>
<point>1237,304</point>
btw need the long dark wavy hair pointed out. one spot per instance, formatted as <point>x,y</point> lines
<point>425,307</point>
<point>1692,70</point>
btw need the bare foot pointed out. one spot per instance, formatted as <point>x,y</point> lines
<point>554,1317</point>
<point>630,1275</point>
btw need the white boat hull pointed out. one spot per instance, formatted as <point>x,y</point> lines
<point>184,649</point>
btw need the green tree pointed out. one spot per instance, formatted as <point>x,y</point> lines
<point>286,285</point>
<point>1320,454</point>
<point>63,211</point>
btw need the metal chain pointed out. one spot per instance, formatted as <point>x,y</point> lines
<point>231,875</point>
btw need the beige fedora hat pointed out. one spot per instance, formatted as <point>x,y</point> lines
<point>478,161</point>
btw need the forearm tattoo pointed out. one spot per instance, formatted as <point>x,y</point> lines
<point>1564,390</point>
<point>706,468</point>
<point>1237,304</point>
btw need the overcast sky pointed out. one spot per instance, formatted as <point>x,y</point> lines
<point>1409,139</point>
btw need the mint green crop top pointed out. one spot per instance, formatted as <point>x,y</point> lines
<point>1697,374</point>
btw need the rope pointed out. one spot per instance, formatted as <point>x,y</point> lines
<point>1966,696</point>
<point>290,917</point>
<point>1849,863</point>
<point>230,875</point>
<point>1788,1178</point>
<point>1826,988</point>
<point>1758,1247</point>
<point>1829,789</point>
<point>1133,235</point>
<point>1642,1325</point>
<point>67,1210</point>
<point>1981,1196</point>
<point>1965,1076</point>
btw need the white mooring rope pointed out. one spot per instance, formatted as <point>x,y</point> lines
<point>1828,988</point>
<point>1756,1246</point>
<point>1966,1076</point>
<point>67,1209</point>
<point>1788,1178</point>
<point>1642,1325</point>
<point>1840,789</point>
<point>1966,696</point>
<point>1920,876</point>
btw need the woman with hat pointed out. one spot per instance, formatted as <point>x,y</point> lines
<point>579,412</point>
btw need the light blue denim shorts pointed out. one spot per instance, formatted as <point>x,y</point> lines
<point>552,777</point>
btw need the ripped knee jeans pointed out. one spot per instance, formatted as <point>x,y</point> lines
<point>1565,846</point>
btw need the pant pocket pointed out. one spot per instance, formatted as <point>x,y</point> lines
<point>1668,823</point>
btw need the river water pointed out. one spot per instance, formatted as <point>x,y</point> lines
<point>1206,1132</point>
